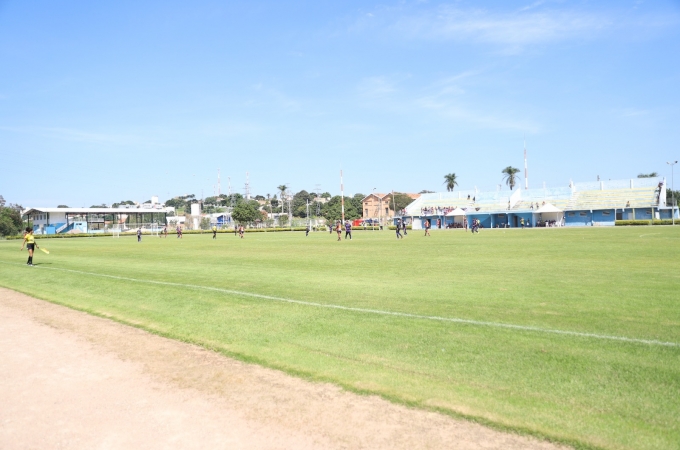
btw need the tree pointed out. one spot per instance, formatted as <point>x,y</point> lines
<point>300,203</point>
<point>99,206</point>
<point>326,195</point>
<point>510,176</point>
<point>450,181</point>
<point>401,201</point>
<point>125,202</point>
<point>648,175</point>
<point>62,206</point>
<point>234,199</point>
<point>259,197</point>
<point>332,210</point>
<point>425,191</point>
<point>246,212</point>
<point>10,220</point>
<point>357,204</point>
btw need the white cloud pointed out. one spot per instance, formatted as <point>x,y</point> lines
<point>378,86</point>
<point>538,22</point>
<point>457,111</point>
<point>532,5</point>
<point>75,135</point>
<point>632,112</point>
<point>442,99</point>
<point>269,96</point>
<point>517,28</point>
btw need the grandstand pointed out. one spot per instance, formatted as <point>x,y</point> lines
<point>579,204</point>
<point>94,220</point>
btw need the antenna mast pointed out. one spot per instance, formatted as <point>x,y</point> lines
<point>219,185</point>
<point>247,186</point>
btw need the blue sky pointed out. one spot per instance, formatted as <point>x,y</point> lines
<point>109,101</point>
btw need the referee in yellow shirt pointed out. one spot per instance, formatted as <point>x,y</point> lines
<point>29,241</point>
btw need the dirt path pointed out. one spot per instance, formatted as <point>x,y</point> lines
<point>71,380</point>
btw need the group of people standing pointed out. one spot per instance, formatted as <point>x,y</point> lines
<point>475,225</point>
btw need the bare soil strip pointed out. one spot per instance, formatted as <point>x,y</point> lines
<point>72,380</point>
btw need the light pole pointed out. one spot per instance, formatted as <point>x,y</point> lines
<point>673,206</point>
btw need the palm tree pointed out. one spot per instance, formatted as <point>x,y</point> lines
<point>450,181</point>
<point>510,176</point>
<point>283,188</point>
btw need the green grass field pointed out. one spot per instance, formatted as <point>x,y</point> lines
<point>587,391</point>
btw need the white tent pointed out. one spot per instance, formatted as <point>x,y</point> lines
<point>548,208</point>
<point>456,212</point>
<point>550,212</point>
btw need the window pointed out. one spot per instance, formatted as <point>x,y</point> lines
<point>570,214</point>
<point>366,212</point>
<point>387,211</point>
<point>583,214</point>
<point>606,213</point>
<point>649,211</point>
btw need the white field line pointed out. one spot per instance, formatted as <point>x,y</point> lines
<point>371,311</point>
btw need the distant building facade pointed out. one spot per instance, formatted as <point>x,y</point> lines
<point>380,206</point>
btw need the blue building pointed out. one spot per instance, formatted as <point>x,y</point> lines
<point>96,220</point>
<point>598,203</point>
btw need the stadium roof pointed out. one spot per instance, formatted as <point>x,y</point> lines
<point>97,210</point>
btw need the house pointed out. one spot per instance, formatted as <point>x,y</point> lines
<point>380,206</point>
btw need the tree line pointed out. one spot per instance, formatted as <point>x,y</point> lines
<point>10,218</point>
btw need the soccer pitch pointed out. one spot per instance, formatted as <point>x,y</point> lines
<point>567,334</point>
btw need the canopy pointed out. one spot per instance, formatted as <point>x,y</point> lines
<point>456,212</point>
<point>548,208</point>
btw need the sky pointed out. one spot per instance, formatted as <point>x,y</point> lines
<point>108,101</point>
